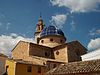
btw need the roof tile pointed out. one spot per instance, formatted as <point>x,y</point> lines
<point>77,67</point>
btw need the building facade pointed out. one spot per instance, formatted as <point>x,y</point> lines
<point>2,63</point>
<point>49,51</point>
<point>19,67</point>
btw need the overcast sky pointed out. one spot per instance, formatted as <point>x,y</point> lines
<point>78,19</point>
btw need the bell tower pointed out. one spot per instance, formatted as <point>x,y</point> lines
<point>39,28</point>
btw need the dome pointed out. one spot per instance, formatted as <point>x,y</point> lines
<point>51,30</point>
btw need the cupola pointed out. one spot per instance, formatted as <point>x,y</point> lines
<point>51,36</point>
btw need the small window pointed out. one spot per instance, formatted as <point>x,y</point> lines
<point>42,41</point>
<point>46,54</point>
<point>44,63</point>
<point>57,52</point>
<point>39,69</point>
<point>29,68</point>
<point>51,40</point>
<point>39,27</point>
<point>54,65</point>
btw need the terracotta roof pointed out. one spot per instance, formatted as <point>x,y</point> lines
<point>76,67</point>
<point>20,61</point>
<point>28,62</point>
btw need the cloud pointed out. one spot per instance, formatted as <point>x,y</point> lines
<point>94,44</point>
<point>73,26</point>
<point>7,42</point>
<point>95,32</point>
<point>8,25</point>
<point>58,20</point>
<point>78,5</point>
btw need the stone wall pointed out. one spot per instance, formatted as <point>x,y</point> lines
<point>61,54</point>
<point>72,55</point>
<point>21,50</point>
<point>36,50</point>
<point>56,41</point>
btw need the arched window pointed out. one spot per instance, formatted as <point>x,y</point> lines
<point>42,41</point>
<point>46,54</point>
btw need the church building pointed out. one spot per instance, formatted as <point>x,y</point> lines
<point>49,51</point>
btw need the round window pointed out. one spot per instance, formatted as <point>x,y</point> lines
<point>57,52</point>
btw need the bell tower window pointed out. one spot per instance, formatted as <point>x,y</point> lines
<point>39,28</point>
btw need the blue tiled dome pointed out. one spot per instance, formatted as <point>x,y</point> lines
<point>51,30</point>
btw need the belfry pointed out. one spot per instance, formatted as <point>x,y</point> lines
<point>39,28</point>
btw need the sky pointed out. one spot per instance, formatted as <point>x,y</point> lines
<point>78,19</point>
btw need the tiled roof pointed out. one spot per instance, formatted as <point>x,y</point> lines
<point>76,67</point>
<point>20,61</point>
<point>28,62</point>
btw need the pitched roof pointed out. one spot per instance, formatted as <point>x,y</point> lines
<point>76,67</point>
